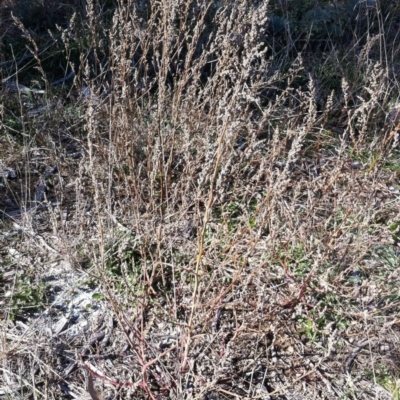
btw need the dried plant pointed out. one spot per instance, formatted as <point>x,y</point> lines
<point>195,215</point>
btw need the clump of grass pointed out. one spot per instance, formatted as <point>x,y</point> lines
<point>233,201</point>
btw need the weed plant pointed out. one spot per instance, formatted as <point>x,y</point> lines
<point>224,181</point>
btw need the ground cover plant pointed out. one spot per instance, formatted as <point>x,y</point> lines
<point>199,200</point>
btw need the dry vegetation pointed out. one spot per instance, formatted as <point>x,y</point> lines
<point>209,207</point>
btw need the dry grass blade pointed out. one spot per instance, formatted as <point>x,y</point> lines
<point>94,394</point>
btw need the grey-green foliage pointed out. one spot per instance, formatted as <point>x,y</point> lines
<point>327,21</point>
<point>320,20</point>
<point>277,25</point>
<point>27,296</point>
